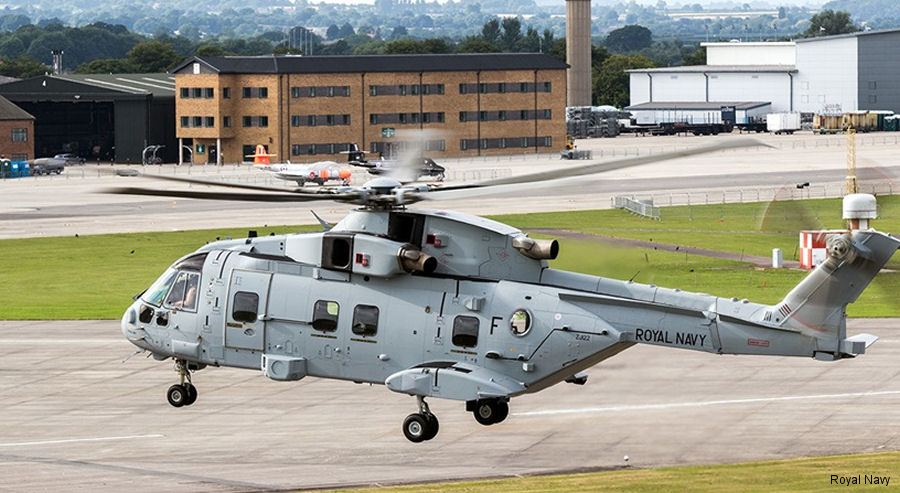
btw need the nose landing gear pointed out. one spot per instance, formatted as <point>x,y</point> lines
<point>184,393</point>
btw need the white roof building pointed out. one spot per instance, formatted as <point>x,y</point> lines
<point>849,72</point>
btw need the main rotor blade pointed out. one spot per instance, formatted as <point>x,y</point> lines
<point>252,197</point>
<point>547,179</point>
<point>215,183</point>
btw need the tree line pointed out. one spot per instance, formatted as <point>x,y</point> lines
<point>108,48</point>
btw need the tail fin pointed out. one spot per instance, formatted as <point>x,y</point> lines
<point>817,306</point>
<point>354,155</point>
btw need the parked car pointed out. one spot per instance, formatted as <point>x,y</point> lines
<point>46,166</point>
<point>66,159</point>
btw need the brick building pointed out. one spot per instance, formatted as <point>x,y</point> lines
<point>16,132</point>
<point>312,108</point>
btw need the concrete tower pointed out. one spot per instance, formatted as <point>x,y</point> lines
<point>578,52</point>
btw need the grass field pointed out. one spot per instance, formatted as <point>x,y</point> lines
<point>796,475</point>
<point>94,277</point>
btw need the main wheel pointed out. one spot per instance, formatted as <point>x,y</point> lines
<point>502,411</point>
<point>415,428</point>
<point>191,394</point>
<point>433,426</point>
<point>177,395</point>
<point>487,411</point>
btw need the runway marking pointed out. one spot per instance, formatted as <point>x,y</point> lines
<point>68,342</point>
<point>674,405</point>
<point>77,440</point>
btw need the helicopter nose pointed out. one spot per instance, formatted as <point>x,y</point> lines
<point>134,334</point>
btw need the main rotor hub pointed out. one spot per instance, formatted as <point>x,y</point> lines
<point>382,185</point>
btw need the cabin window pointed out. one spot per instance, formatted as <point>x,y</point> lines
<point>325,315</point>
<point>245,306</point>
<point>365,320</point>
<point>520,322</point>
<point>465,331</point>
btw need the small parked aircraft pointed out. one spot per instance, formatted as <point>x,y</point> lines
<point>319,172</point>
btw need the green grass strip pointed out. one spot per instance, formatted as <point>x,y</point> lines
<point>94,277</point>
<point>808,475</point>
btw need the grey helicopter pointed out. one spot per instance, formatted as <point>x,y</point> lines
<point>441,304</point>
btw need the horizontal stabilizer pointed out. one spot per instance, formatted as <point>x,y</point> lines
<point>857,344</point>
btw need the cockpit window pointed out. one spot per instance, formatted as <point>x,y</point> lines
<point>157,292</point>
<point>194,262</point>
<point>183,294</point>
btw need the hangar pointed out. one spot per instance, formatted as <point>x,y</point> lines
<point>829,74</point>
<point>100,117</point>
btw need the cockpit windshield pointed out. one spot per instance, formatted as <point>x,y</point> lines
<point>185,275</point>
<point>157,292</point>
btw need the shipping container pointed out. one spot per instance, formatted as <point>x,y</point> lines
<point>780,123</point>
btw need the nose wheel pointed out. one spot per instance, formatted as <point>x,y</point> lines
<point>420,426</point>
<point>184,393</point>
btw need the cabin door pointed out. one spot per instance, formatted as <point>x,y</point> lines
<point>248,298</point>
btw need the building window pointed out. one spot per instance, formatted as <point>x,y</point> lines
<point>255,121</point>
<point>226,121</point>
<point>209,121</point>
<point>196,121</point>
<point>325,315</point>
<point>20,135</point>
<point>873,85</point>
<point>208,92</point>
<point>226,92</point>
<point>320,91</point>
<point>185,93</point>
<point>185,122</point>
<point>365,320</point>
<point>873,99</point>
<point>255,92</point>
<point>196,92</point>
<point>19,157</point>
<point>547,87</point>
<point>465,331</point>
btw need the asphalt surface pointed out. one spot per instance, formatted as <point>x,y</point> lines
<point>76,418</point>
<point>76,202</point>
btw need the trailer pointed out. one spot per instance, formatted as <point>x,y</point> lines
<point>754,124</point>
<point>783,123</point>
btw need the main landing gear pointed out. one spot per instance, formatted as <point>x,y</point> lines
<point>420,426</point>
<point>184,393</point>
<point>488,411</point>
<point>423,426</point>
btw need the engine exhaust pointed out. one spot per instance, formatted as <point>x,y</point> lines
<point>413,260</point>
<point>536,249</point>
